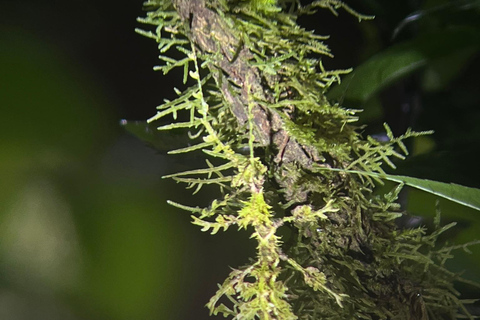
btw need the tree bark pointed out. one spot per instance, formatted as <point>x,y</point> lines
<point>210,33</point>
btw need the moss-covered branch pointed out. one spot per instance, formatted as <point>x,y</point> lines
<point>259,86</point>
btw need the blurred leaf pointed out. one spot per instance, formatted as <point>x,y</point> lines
<point>422,145</point>
<point>438,76</point>
<point>467,261</point>
<point>166,141</point>
<point>401,60</point>
<point>446,8</point>
<point>161,141</point>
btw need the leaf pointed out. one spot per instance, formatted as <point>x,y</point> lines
<point>419,203</point>
<point>443,8</point>
<point>161,141</point>
<point>400,61</point>
<point>194,75</point>
<point>466,196</point>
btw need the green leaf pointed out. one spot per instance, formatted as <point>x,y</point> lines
<point>436,8</point>
<point>466,196</point>
<point>419,203</point>
<point>400,61</point>
<point>161,141</point>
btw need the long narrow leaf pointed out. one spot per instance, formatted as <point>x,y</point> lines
<point>466,196</point>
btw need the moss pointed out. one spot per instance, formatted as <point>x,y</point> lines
<point>259,86</point>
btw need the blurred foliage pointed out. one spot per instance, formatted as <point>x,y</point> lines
<point>72,230</point>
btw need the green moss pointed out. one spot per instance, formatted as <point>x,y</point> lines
<point>259,86</point>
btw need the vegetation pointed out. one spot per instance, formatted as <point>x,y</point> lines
<point>295,170</point>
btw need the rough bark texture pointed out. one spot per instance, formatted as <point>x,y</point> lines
<point>209,32</point>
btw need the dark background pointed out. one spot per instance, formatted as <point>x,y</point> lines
<point>85,232</point>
